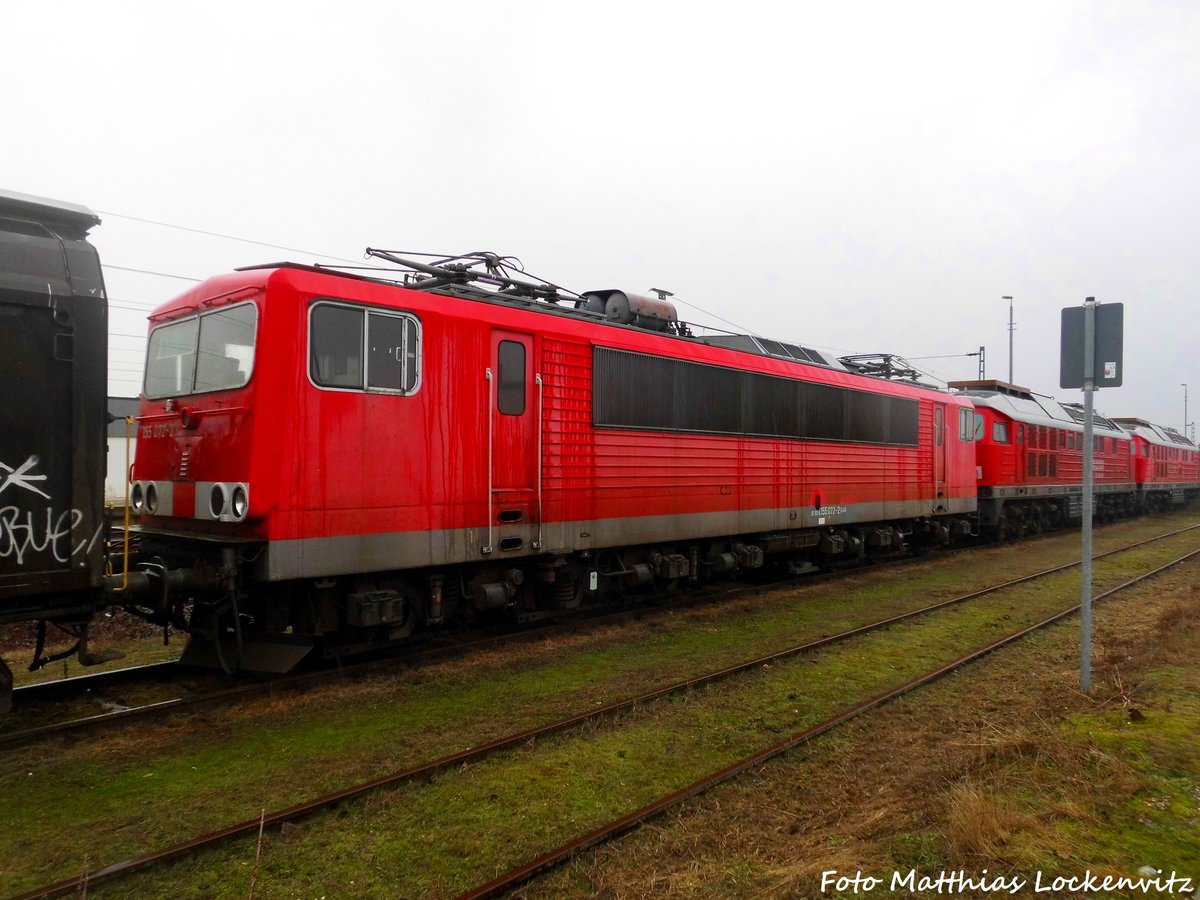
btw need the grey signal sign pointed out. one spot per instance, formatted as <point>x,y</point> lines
<point>1106,363</point>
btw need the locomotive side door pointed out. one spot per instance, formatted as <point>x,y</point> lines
<point>514,422</point>
<point>939,454</point>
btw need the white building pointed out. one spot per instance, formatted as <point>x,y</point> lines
<point>119,457</point>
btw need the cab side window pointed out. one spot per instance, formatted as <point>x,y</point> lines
<point>355,348</point>
<point>335,346</point>
<point>966,425</point>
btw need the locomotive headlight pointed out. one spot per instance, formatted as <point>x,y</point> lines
<point>137,498</point>
<point>239,503</point>
<point>216,500</point>
<point>151,498</point>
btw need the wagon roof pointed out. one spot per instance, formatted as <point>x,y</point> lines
<point>78,218</point>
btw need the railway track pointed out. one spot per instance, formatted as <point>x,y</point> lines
<point>107,689</point>
<point>528,871</point>
<point>113,682</point>
<point>627,822</point>
<point>98,682</point>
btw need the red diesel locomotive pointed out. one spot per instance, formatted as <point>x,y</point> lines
<point>1166,464</point>
<point>321,454</point>
<point>1029,452</point>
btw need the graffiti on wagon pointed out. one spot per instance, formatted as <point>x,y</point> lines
<point>29,531</point>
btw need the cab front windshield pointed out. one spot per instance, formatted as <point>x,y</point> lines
<point>210,352</point>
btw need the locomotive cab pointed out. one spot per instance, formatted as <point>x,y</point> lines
<point>192,466</point>
<point>199,462</point>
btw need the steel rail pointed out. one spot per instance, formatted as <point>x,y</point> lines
<point>416,655</point>
<point>301,810</point>
<point>413,655</point>
<point>78,684</point>
<point>527,872</point>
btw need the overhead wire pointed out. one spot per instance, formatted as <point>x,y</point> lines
<point>148,272</point>
<point>227,237</point>
<point>508,262</point>
<point>741,328</point>
<point>715,316</point>
<point>505,261</point>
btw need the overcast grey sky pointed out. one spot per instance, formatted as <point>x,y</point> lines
<point>858,176</point>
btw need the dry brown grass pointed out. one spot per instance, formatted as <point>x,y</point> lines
<point>979,822</point>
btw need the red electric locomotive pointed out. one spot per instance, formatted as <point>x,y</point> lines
<point>1029,452</point>
<point>327,455</point>
<point>1167,464</point>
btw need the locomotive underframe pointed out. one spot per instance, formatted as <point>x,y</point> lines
<point>236,620</point>
<point>1155,497</point>
<point>1018,511</point>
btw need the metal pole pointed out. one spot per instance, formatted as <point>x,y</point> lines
<point>1089,389</point>
<point>1010,336</point>
<point>982,364</point>
<point>1185,418</point>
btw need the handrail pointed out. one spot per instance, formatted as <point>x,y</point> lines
<point>541,416</point>
<point>491,420</point>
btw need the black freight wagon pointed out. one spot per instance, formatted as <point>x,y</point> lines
<point>53,376</point>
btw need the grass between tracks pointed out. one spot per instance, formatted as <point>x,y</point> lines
<point>90,804</point>
<point>1004,768</point>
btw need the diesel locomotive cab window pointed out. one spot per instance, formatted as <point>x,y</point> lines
<point>211,352</point>
<point>966,425</point>
<point>353,348</point>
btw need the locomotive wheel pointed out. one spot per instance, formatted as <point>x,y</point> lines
<point>215,624</point>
